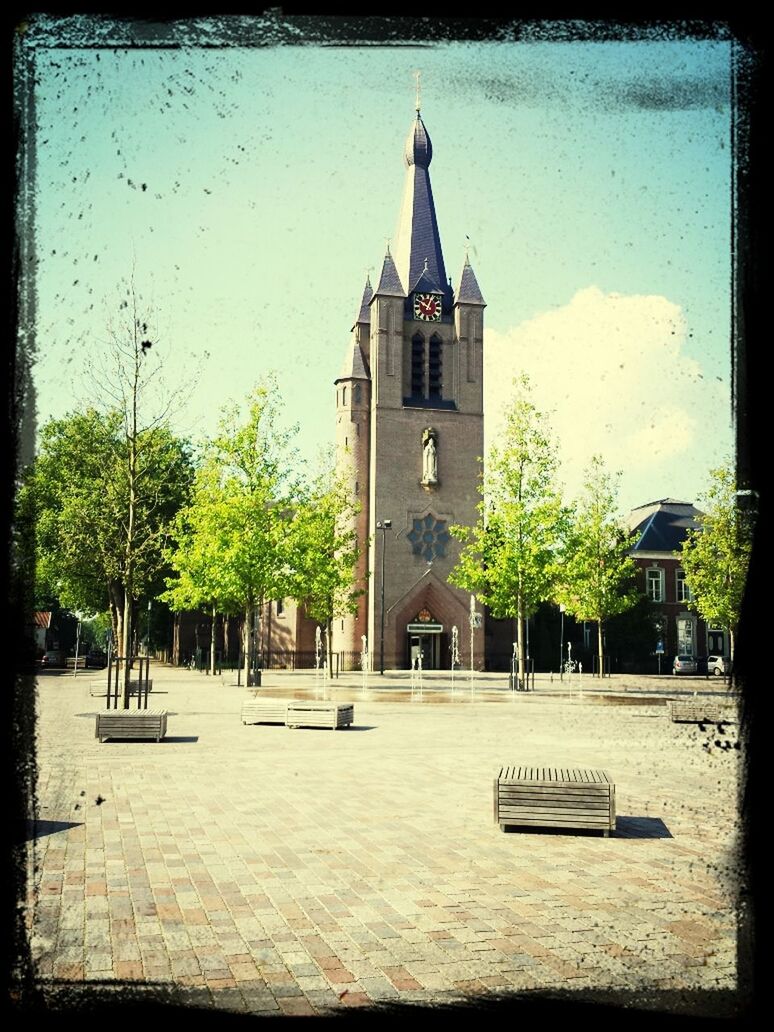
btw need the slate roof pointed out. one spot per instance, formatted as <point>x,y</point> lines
<point>355,366</point>
<point>389,281</point>
<point>426,284</point>
<point>417,238</point>
<point>469,292</point>
<point>364,315</point>
<point>663,526</point>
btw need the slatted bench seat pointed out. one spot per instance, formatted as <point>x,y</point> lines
<point>264,711</point>
<point>319,714</point>
<point>702,711</point>
<point>554,797</point>
<point>131,724</point>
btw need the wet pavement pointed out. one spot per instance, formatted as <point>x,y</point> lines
<point>266,870</point>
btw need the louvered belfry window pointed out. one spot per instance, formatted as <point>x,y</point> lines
<point>426,368</point>
<point>417,366</point>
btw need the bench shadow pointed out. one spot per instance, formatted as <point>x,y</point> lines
<point>641,827</point>
<point>349,727</point>
<point>36,829</point>
<point>152,741</point>
<point>625,827</point>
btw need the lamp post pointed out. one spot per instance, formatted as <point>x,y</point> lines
<point>382,525</point>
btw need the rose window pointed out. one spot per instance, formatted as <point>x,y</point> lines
<point>429,538</point>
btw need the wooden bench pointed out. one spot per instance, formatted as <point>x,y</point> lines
<point>319,714</point>
<point>702,711</point>
<point>264,711</point>
<point>131,724</point>
<point>554,797</point>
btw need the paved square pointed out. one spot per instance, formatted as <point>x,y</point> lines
<point>300,871</point>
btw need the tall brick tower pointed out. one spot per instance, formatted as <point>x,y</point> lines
<point>410,431</point>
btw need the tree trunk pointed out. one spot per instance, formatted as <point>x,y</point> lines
<point>176,639</point>
<point>600,648</point>
<point>520,640</point>
<point>329,643</point>
<point>212,641</point>
<point>126,646</point>
<point>246,637</point>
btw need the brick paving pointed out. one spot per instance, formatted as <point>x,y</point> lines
<point>297,872</point>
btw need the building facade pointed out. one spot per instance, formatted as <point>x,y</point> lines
<point>662,527</point>
<point>409,436</point>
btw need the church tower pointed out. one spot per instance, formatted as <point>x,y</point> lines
<point>410,433</point>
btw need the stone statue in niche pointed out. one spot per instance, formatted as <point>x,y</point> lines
<point>429,456</point>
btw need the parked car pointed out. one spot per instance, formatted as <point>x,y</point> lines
<point>96,659</point>
<point>718,665</point>
<point>684,665</point>
<point>52,658</point>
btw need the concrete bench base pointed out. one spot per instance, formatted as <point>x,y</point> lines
<point>264,711</point>
<point>146,724</point>
<point>702,711</point>
<point>554,797</point>
<point>320,714</point>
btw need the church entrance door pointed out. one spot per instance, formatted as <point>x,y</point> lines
<point>429,645</point>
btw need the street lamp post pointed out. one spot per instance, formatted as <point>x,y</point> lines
<point>382,525</point>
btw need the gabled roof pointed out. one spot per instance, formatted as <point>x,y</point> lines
<point>426,284</point>
<point>364,315</point>
<point>469,292</point>
<point>355,366</point>
<point>663,526</point>
<point>389,281</point>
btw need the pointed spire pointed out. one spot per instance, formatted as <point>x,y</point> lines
<point>389,281</point>
<point>417,240</point>
<point>355,366</point>
<point>419,149</point>
<point>469,292</point>
<point>364,315</point>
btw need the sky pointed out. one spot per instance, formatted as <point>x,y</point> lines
<point>248,190</point>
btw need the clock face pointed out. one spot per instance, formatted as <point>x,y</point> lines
<point>427,307</point>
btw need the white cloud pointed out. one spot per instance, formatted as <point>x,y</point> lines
<point>611,371</point>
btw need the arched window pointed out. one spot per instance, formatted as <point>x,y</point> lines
<point>344,396</point>
<point>357,391</point>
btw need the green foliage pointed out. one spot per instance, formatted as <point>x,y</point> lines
<point>325,549</point>
<point>716,557</point>
<point>232,544</point>
<point>508,560</point>
<point>78,492</point>
<point>596,578</point>
<point>509,557</point>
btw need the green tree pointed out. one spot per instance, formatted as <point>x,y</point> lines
<point>596,575</point>
<point>508,560</point>
<point>325,550</point>
<point>717,555</point>
<point>77,491</point>
<point>234,546</point>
